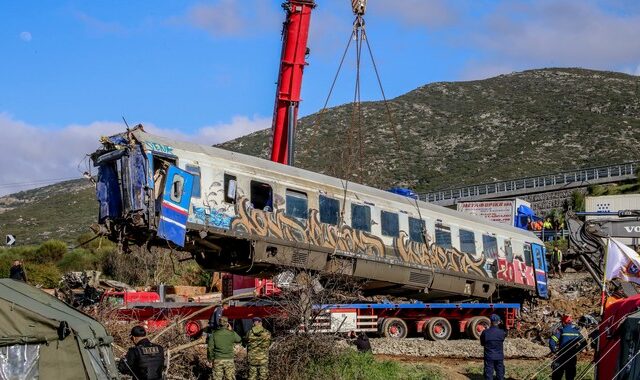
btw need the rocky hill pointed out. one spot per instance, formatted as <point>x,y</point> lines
<point>436,136</point>
<point>62,211</point>
<point>457,133</point>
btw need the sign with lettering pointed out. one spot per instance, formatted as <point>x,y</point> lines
<point>497,211</point>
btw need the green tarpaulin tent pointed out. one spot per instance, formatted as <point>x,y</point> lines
<point>42,337</point>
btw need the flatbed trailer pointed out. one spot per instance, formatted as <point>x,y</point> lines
<point>434,321</point>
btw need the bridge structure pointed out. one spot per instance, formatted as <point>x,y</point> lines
<point>530,186</point>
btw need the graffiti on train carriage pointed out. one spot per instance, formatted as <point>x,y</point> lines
<point>344,238</point>
<point>430,254</point>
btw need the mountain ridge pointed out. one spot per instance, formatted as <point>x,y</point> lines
<point>441,135</point>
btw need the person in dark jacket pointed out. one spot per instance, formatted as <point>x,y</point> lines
<point>361,341</point>
<point>144,361</point>
<point>492,339</point>
<point>566,343</point>
<point>17,272</point>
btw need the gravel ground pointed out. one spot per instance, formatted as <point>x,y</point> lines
<point>462,348</point>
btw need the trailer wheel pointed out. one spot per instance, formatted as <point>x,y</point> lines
<point>394,328</point>
<point>193,329</point>
<point>438,328</point>
<point>476,326</point>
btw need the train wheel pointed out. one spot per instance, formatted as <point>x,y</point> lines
<point>394,328</point>
<point>438,329</point>
<point>476,326</point>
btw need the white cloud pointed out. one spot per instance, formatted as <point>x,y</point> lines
<point>558,33</point>
<point>32,155</point>
<point>25,36</point>
<point>430,14</point>
<point>231,18</point>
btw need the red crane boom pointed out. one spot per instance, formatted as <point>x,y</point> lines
<point>294,49</point>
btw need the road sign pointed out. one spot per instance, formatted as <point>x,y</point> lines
<point>11,240</point>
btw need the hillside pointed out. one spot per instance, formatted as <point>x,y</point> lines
<point>61,211</point>
<point>445,135</point>
<point>458,133</point>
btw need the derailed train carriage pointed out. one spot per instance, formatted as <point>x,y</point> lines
<point>240,214</point>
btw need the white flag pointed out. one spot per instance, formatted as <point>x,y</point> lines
<point>622,262</point>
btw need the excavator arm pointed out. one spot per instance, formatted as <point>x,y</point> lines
<point>587,242</point>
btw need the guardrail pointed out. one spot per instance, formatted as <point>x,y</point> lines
<point>599,174</point>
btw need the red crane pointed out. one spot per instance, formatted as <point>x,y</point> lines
<point>295,33</point>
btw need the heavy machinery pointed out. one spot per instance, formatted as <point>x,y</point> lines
<point>248,216</point>
<point>619,331</point>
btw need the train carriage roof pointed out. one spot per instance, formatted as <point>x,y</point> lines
<point>255,162</point>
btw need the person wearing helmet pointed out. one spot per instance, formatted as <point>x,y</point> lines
<point>492,339</point>
<point>566,343</point>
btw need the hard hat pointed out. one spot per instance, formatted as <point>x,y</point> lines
<point>566,319</point>
<point>257,319</point>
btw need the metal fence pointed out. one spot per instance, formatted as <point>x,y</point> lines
<point>599,174</point>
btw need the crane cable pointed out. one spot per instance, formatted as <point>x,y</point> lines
<point>358,34</point>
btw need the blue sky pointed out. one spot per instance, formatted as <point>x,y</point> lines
<point>206,70</point>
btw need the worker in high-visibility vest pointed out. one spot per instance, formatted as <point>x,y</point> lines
<point>566,343</point>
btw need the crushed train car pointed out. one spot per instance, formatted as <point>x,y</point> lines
<point>246,215</point>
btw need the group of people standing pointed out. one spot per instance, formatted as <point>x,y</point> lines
<point>565,344</point>
<point>146,360</point>
<point>222,342</point>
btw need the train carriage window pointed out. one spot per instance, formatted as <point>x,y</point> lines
<point>261,196</point>
<point>416,228</point>
<point>508,250</point>
<point>528,259</point>
<point>361,217</point>
<point>443,236</point>
<point>230,185</point>
<point>297,204</point>
<point>329,210</point>
<point>490,244</point>
<point>177,185</point>
<point>195,171</point>
<point>389,223</point>
<point>468,242</point>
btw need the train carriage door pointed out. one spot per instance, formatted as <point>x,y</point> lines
<point>540,266</point>
<point>176,200</point>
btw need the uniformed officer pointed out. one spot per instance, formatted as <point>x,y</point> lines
<point>493,341</point>
<point>566,343</point>
<point>144,361</point>
<point>220,350</point>
<point>258,341</point>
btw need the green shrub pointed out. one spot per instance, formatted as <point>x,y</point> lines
<point>78,259</point>
<point>44,275</point>
<point>49,252</point>
<point>84,241</point>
